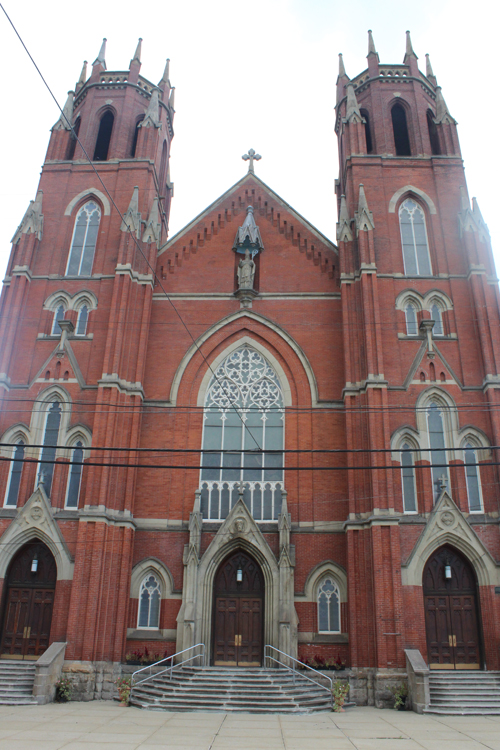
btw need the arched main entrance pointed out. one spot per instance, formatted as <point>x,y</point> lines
<point>29,600</point>
<point>238,612</point>
<point>451,611</point>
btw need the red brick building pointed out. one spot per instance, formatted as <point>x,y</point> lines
<point>373,363</point>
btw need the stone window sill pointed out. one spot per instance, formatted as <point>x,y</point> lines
<point>325,638</point>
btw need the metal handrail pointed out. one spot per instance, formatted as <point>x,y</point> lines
<point>172,665</point>
<point>293,670</point>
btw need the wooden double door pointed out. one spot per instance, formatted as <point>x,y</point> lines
<point>238,613</point>
<point>29,603</point>
<point>451,612</point>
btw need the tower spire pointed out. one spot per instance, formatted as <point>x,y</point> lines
<point>101,57</point>
<point>137,55</point>
<point>371,44</point>
<point>83,76</point>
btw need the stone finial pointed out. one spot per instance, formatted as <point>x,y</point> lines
<point>248,235</point>
<point>165,79</point>
<point>101,57</point>
<point>152,116</point>
<point>363,216</point>
<point>132,219</point>
<point>32,220</point>
<point>137,55</point>
<point>442,111</point>
<point>409,48</point>
<point>341,66</point>
<point>83,76</point>
<point>171,99</point>
<point>371,44</point>
<point>153,226</point>
<point>428,68</point>
<point>352,108</point>
<point>66,117</point>
<point>250,157</point>
<point>344,233</point>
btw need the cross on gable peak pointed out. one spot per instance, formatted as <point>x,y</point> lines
<point>250,157</point>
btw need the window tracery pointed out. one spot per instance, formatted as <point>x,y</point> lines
<point>328,606</point>
<point>243,411</point>
<point>149,603</point>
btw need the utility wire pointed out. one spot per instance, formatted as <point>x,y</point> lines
<point>75,135</point>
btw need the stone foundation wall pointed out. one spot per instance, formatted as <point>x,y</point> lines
<point>92,680</point>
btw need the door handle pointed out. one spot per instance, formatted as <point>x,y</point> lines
<point>24,632</point>
<point>454,640</point>
<point>450,641</point>
<point>237,640</point>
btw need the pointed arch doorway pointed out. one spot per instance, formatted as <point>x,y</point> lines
<point>29,601</point>
<point>451,611</point>
<point>238,612</point>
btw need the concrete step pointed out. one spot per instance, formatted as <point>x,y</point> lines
<point>16,683</point>
<point>464,693</point>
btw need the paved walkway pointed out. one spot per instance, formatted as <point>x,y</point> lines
<point>103,725</point>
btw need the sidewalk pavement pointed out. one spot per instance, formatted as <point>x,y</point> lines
<point>104,725</point>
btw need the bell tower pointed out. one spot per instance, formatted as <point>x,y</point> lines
<point>406,231</point>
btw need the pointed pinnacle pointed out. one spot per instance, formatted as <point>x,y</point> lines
<point>371,44</point>
<point>137,54</point>
<point>362,198</point>
<point>352,103</point>
<point>428,67</point>
<point>464,199</point>
<point>477,212</point>
<point>83,76</point>
<point>341,66</point>
<point>166,74</point>
<point>409,48</point>
<point>100,59</point>
<point>344,214</point>
<point>171,98</point>
<point>134,201</point>
<point>442,111</point>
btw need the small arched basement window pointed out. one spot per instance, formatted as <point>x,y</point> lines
<point>416,256</point>
<point>368,132</point>
<point>73,140</point>
<point>58,315</point>
<point>411,320</point>
<point>328,606</point>
<point>81,254</point>
<point>50,440</point>
<point>104,136</point>
<point>472,478</point>
<point>400,129</point>
<point>16,468</point>
<point>408,479</point>
<point>75,476</point>
<point>433,134</point>
<point>149,603</point>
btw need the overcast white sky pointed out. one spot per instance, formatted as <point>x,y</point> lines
<point>260,75</point>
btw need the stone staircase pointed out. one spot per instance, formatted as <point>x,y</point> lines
<point>464,692</point>
<point>231,689</point>
<point>16,683</point>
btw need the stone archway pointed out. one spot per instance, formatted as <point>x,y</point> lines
<point>29,601</point>
<point>451,608</point>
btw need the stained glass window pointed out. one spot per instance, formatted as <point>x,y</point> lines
<point>328,607</point>
<point>149,603</point>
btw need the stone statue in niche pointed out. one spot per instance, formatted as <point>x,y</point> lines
<point>246,271</point>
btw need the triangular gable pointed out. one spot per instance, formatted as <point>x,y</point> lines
<point>451,377</point>
<point>447,525</point>
<point>248,178</point>
<point>69,363</point>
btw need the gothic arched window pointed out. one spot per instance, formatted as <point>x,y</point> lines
<point>408,479</point>
<point>435,426</point>
<point>437,317</point>
<point>414,239</point>
<point>400,130</point>
<point>81,323</point>
<point>75,476</point>
<point>104,136</point>
<point>149,603</point>
<point>243,411</point>
<point>328,606</point>
<point>81,254</point>
<point>73,139</point>
<point>411,320</point>
<point>433,134</point>
<point>58,315</point>
<point>16,468</point>
<point>368,132</point>
<point>136,136</point>
<point>472,477</point>
<point>50,438</point>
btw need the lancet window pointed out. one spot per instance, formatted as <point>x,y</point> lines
<point>438,457</point>
<point>243,412</point>
<point>408,479</point>
<point>58,315</point>
<point>437,317</point>
<point>81,323</point>
<point>328,606</point>
<point>472,478</point>
<point>411,320</point>
<point>50,438</point>
<point>16,468</point>
<point>81,254</point>
<point>149,603</point>
<point>104,136</point>
<point>75,476</point>
<point>416,256</point>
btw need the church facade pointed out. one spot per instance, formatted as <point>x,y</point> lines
<point>249,434</point>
